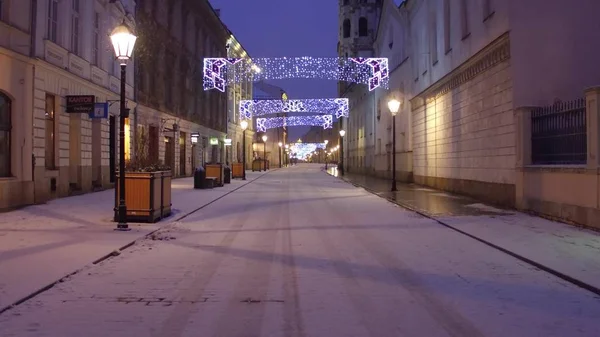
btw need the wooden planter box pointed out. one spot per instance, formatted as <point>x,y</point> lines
<point>147,196</point>
<point>237,170</point>
<point>215,171</point>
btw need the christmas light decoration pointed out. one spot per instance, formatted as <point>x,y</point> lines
<point>263,124</point>
<point>371,71</point>
<point>305,150</point>
<point>249,108</point>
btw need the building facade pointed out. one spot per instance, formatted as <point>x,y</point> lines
<point>266,91</point>
<point>16,99</point>
<point>51,49</point>
<point>235,93</point>
<point>174,38</point>
<point>358,21</point>
<point>466,73</point>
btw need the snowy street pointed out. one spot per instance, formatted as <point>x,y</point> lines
<point>297,252</point>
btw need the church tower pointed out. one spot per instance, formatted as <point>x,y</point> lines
<point>358,21</point>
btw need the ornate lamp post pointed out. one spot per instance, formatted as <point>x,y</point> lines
<point>394,105</point>
<point>280,146</point>
<point>342,134</point>
<point>264,139</point>
<point>123,41</point>
<point>244,125</point>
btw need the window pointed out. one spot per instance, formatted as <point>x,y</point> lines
<point>346,28</point>
<point>96,39</point>
<point>464,19</point>
<point>433,38</point>
<point>52,20</point>
<point>447,26</point>
<point>488,9</point>
<point>75,28</point>
<point>362,27</point>
<point>5,128</point>
<point>1,4</point>
<point>50,130</point>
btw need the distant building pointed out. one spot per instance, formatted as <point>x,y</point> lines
<point>266,91</point>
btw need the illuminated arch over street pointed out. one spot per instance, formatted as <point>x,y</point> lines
<point>263,124</point>
<point>371,71</point>
<point>303,150</point>
<point>337,106</point>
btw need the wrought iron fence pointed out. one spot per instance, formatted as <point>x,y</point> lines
<point>558,134</point>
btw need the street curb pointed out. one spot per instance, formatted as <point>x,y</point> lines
<point>122,248</point>
<point>564,277</point>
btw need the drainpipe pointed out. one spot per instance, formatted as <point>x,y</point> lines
<point>32,54</point>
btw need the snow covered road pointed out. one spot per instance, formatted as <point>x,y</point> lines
<point>301,253</point>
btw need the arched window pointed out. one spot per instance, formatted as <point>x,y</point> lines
<point>346,28</point>
<point>362,27</point>
<point>5,127</point>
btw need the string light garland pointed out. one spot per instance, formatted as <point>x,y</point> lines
<point>371,71</point>
<point>263,124</point>
<point>249,108</point>
<point>304,150</point>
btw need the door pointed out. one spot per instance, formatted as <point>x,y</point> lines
<point>169,152</point>
<point>194,158</point>
<point>112,147</point>
<point>182,154</point>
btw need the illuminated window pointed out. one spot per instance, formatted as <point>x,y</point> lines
<point>127,140</point>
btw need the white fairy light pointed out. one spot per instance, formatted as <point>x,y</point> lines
<point>371,71</point>
<point>263,124</point>
<point>250,108</point>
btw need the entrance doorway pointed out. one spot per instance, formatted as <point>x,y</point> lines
<point>170,152</point>
<point>182,154</point>
<point>194,158</point>
<point>112,147</point>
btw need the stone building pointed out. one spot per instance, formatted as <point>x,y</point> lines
<point>54,48</point>
<point>463,70</point>
<point>174,38</point>
<point>16,105</point>
<point>358,21</point>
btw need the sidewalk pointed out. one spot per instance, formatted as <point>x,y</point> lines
<point>566,249</point>
<point>43,243</point>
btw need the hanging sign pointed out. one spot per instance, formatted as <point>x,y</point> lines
<point>227,142</point>
<point>100,111</point>
<point>214,141</point>
<point>81,104</point>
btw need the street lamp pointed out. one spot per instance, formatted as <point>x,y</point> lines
<point>123,41</point>
<point>264,139</point>
<point>341,166</point>
<point>394,105</point>
<point>280,146</point>
<point>244,125</point>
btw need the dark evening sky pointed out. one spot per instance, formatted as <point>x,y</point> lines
<point>272,28</point>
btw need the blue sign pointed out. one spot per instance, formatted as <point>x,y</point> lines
<point>100,111</point>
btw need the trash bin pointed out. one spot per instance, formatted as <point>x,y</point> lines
<point>199,176</point>
<point>227,174</point>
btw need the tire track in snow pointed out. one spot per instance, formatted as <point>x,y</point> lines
<point>178,319</point>
<point>292,315</point>
<point>363,307</point>
<point>253,280</point>
<point>452,321</point>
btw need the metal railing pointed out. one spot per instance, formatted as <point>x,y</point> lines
<point>558,134</point>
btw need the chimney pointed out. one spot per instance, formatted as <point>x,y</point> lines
<point>218,11</point>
